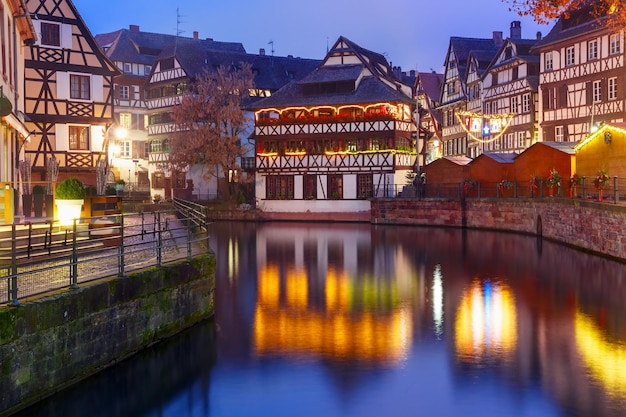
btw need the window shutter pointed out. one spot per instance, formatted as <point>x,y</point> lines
<point>562,96</point>
<point>545,99</point>
<point>589,92</point>
<point>548,134</point>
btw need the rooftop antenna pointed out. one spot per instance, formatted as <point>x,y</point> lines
<point>178,22</point>
<point>271,43</point>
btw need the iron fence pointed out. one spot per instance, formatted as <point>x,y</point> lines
<point>579,188</point>
<point>40,257</point>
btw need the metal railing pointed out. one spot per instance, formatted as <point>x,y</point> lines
<point>40,257</point>
<point>614,192</point>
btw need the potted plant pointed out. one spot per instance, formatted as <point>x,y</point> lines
<point>573,182</point>
<point>119,186</point>
<point>70,196</point>
<point>38,194</point>
<point>156,198</point>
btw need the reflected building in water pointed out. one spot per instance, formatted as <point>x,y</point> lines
<point>524,311</point>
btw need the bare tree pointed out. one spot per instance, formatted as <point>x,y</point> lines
<point>210,121</point>
<point>544,11</point>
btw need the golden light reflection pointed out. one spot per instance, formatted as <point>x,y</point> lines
<point>605,359</point>
<point>337,332</point>
<point>486,321</point>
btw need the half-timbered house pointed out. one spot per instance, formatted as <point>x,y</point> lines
<point>16,32</point>
<point>175,69</point>
<point>428,92</point>
<point>509,86</point>
<point>68,93</point>
<point>340,136</point>
<point>581,77</point>
<point>454,88</point>
<point>134,53</point>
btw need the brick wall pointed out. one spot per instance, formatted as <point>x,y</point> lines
<point>595,227</point>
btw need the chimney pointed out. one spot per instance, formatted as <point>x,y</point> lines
<point>412,73</point>
<point>262,51</point>
<point>538,36</point>
<point>195,34</point>
<point>516,29</point>
<point>134,28</point>
<point>497,38</point>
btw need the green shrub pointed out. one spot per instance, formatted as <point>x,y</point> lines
<point>70,189</point>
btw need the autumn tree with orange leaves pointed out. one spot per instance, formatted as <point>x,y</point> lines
<point>545,11</point>
<point>210,123</point>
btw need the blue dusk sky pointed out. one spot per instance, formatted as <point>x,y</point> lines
<point>413,34</point>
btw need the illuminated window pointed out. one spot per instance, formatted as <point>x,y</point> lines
<point>79,138</point>
<point>335,187</point>
<point>615,44</point>
<point>158,180</point>
<point>125,149</point>
<point>125,120</point>
<point>50,34</point>
<point>310,187</point>
<point>279,187</point>
<point>79,87</point>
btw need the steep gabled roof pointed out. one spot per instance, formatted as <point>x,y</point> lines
<point>372,77</point>
<point>431,83</point>
<point>484,49</point>
<point>576,23</point>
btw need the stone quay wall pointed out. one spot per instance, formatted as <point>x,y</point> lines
<point>49,343</point>
<point>595,227</point>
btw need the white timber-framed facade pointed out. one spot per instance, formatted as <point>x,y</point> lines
<point>327,144</point>
<point>68,94</point>
<point>510,86</point>
<point>581,77</point>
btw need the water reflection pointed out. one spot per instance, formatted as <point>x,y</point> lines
<point>360,320</point>
<point>486,322</point>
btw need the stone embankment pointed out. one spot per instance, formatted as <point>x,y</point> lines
<point>595,227</point>
<point>49,343</point>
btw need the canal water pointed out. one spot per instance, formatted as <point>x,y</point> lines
<point>358,320</point>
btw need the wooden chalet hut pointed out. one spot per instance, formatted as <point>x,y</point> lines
<point>536,163</point>
<point>603,150</point>
<point>444,175</point>
<point>493,171</point>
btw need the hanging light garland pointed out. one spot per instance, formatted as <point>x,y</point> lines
<point>490,126</point>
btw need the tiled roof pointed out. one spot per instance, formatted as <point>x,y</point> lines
<point>578,23</point>
<point>370,90</point>
<point>481,48</point>
<point>143,47</point>
<point>333,73</point>
<point>431,83</point>
<point>374,88</point>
